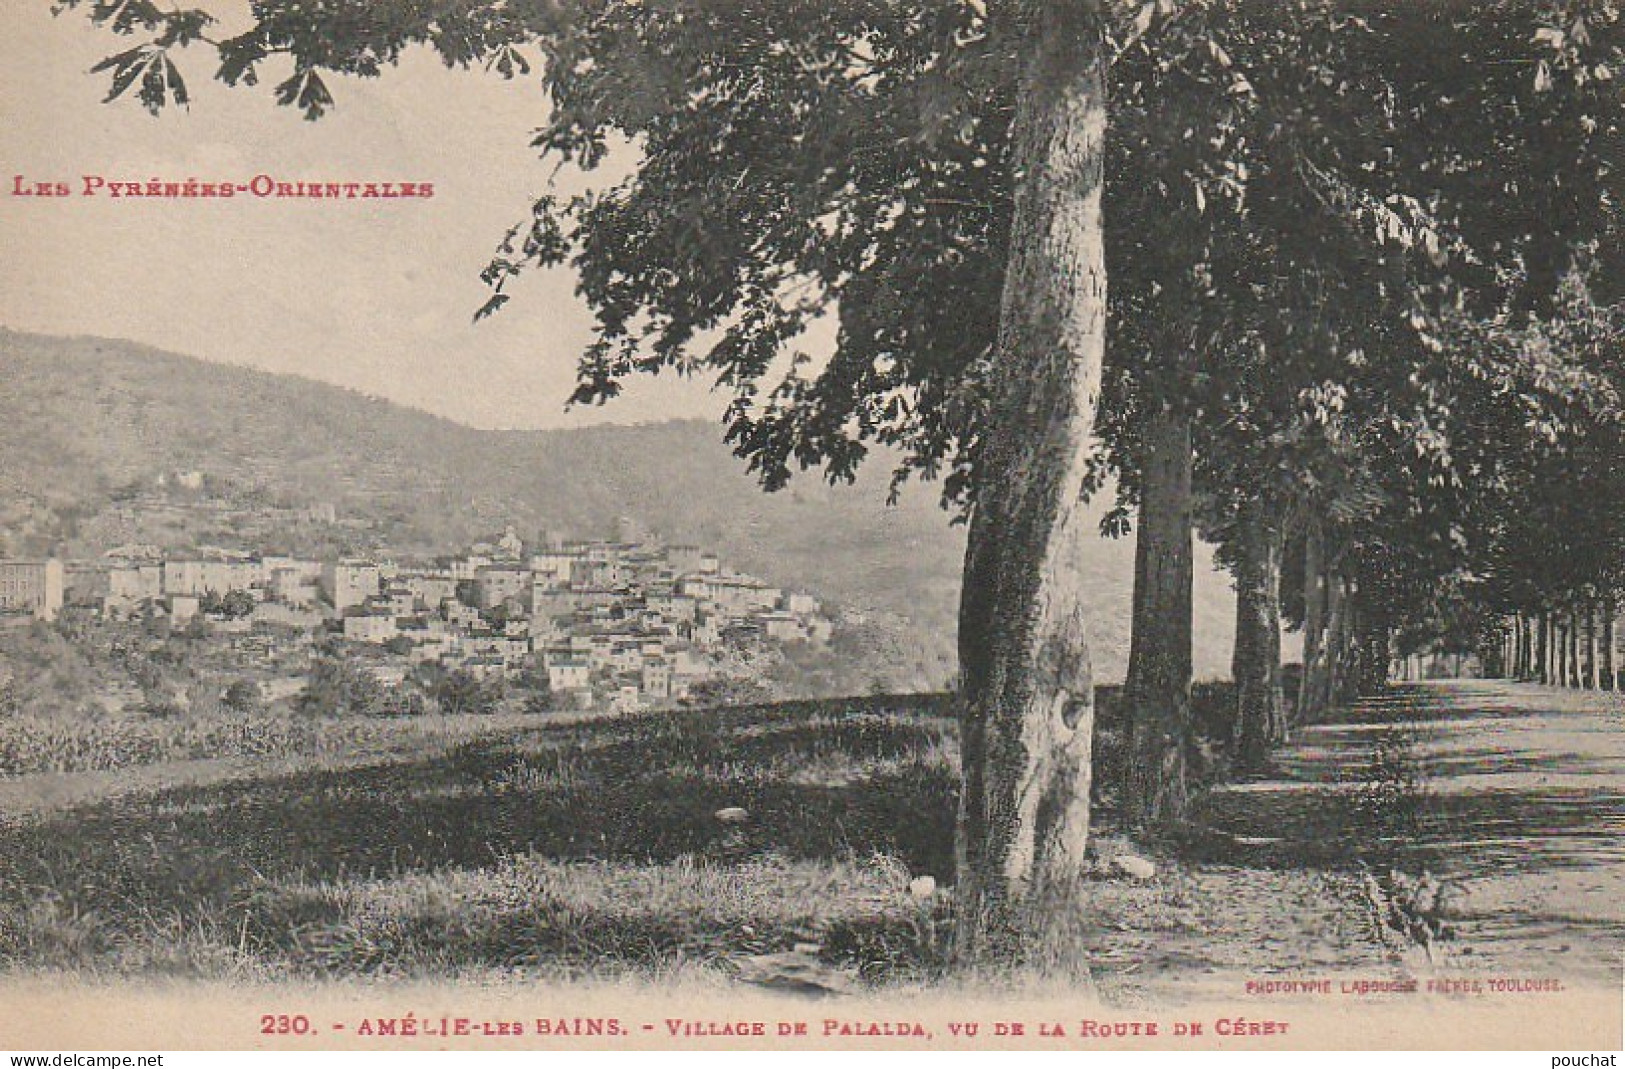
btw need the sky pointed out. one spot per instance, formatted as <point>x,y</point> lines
<point>377,296</point>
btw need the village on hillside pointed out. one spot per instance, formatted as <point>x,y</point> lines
<point>620,624</point>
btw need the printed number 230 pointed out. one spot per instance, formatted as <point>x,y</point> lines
<point>281,1024</point>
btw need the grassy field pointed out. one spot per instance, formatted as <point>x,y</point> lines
<point>546,849</point>
<point>32,743</point>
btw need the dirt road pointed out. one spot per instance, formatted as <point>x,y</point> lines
<point>1510,797</point>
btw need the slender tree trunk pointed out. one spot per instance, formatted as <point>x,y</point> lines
<point>1365,643</point>
<point>1540,648</point>
<point>1537,650</point>
<point>1560,648</point>
<point>1593,660</point>
<point>1547,645</point>
<point>1520,656</point>
<point>1560,636</point>
<point>1579,633</point>
<point>1610,667</point>
<point>1342,659</point>
<point>1157,690</point>
<point>1543,660</point>
<point>1025,682</point>
<point>1374,640</point>
<point>1572,652</point>
<point>1537,668</point>
<point>1311,685</point>
<point>1334,647</point>
<point>1256,663</point>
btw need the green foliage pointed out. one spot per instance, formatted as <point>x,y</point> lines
<point>243,697</point>
<point>729,691</point>
<point>336,686</point>
<point>232,605</point>
<point>1339,236</point>
<point>402,701</point>
<point>461,692</point>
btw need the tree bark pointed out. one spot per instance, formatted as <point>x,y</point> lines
<point>1572,652</point>
<point>1256,662</point>
<point>1157,689</point>
<point>1570,648</point>
<point>1610,666</point>
<point>1311,685</point>
<point>1593,662</point>
<point>1025,682</point>
<point>1540,669</point>
<point>1537,654</point>
<point>1371,657</point>
<point>1547,644</point>
<point>1334,643</point>
<point>1526,647</point>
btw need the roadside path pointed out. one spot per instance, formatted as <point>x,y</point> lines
<point>1511,796</point>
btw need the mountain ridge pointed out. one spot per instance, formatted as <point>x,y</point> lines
<point>105,420</point>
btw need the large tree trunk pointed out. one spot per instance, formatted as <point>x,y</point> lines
<point>1157,690</point>
<point>1256,663</point>
<point>1025,683</point>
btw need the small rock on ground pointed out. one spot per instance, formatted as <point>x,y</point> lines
<point>1134,867</point>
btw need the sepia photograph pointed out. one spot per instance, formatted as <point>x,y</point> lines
<point>863,525</point>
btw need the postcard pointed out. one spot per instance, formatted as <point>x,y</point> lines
<point>765,525</point>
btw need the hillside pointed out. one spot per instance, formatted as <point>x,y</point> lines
<point>95,423</point>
